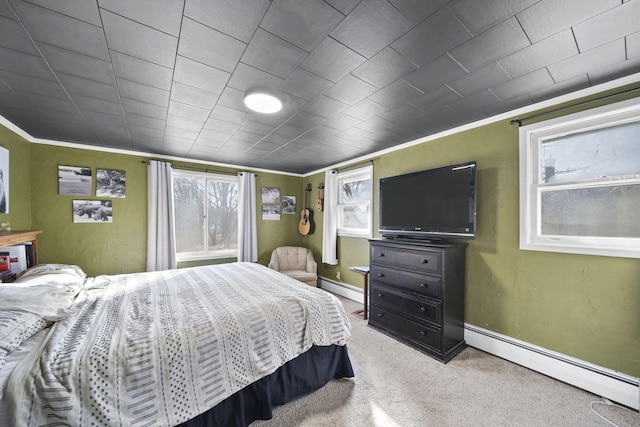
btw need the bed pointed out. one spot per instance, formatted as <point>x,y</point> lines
<point>202,346</point>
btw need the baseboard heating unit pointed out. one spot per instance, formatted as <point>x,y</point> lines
<point>615,386</point>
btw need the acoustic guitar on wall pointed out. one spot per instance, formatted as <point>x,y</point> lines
<point>306,225</point>
<point>320,200</point>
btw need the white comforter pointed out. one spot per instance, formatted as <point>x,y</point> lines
<point>160,348</point>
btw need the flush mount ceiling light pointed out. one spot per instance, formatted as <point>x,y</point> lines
<point>262,102</point>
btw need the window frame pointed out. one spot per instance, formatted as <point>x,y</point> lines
<point>531,188</point>
<point>205,254</point>
<point>360,174</point>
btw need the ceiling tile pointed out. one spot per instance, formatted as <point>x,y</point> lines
<point>304,84</point>
<point>482,78</point>
<point>144,109</point>
<point>98,105</point>
<point>63,31</point>
<point>80,9</point>
<point>436,35</point>
<point>350,90</point>
<point>237,18</point>
<point>90,88</point>
<point>193,96</point>
<point>344,6</point>
<point>188,111</point>
<point>608,26</point>
<point>549,17</point>
<point>548,51</point>
<point>371,27</point>
<point>499,41</point>
<point>246,78</point>
<point>616,70</point>
<point>145,121</point>
<point>141,71</point>
<point>137,131</point>
<point>21,82</point>
<point>144,93</point>
<point>30,65</point>
<point>7,11</point>
<point>384,67</point>
<point>304,26</point>
<point>416,10</point>
<point>523,84</point>
<point>479,16</point>
<point>364,110</point>
<point>208,46</point>
<point>13,36</point>
<point>325,107</point>
<point>437,72</point>
<point>96,118</point>
<point>633,45</point>
<point>272,54</point>
<point>227,114</point>
<point>185,123</point>
<point>594,59</point>
<point>163,15</point>
<point>202,76</point>
<point>569,85</point>
<point>396,94</point>
<point>134,39</point>
<point>435,97</point>
<point>332,60</point>
<point>77,64</point>
<point>342,122</point>
<point>63,105</point>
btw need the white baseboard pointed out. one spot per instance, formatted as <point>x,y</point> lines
<point>615,386</point>
<point>343,289</point>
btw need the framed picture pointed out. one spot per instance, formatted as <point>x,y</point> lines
<point>271,212</point>
<point>288,205</point>
<point>110,183</point>
<point>270,195</point>
<point>4,180</point>
<point>92,211</point>
<point>74,181</point>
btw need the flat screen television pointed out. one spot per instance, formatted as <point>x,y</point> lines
<point>431,204</point>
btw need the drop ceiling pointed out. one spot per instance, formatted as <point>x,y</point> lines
<point>167,77</point>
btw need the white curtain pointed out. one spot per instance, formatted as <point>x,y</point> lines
<point>330,219</point>
<point>161,240</point>
<point>247,231</point>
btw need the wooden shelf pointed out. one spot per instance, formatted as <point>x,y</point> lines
<point>8,238</point>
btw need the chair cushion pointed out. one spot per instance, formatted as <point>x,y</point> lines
<point>300,275</point>
<point>292,258</point>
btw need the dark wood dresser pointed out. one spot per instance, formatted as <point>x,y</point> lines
<point>417,294</point>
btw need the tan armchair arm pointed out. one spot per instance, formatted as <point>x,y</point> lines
<point>273,263</point>
<point>312,265</point>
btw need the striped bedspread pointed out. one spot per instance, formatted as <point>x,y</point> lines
<point>160,348</point>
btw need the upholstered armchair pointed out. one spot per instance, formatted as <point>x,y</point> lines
<point>295,262</point>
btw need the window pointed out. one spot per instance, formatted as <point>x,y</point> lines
<point>206,215</point>
<point>354,202</point>
<point>580,182</point>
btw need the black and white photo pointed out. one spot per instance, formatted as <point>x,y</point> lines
<point>288,205</point>
<point>74,181</point>
<point>110,183</point>
<point>270,195</point>
<point>92,211</point>
<point>270,213</point>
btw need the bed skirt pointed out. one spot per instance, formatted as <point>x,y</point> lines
<point>302,375</point>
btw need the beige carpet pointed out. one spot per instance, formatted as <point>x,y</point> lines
<point>395,385</point>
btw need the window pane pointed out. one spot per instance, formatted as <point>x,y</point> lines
<point>188,196</point>
<point>355,191</point>
<point>222,215</point>
<point>606,152</point>
<point>600,212</point>
<point>356,216</point>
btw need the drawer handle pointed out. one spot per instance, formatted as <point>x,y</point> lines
<point>423,285</point>
<point>381,254</point>
<point>380,274</point>
<point>422,309</point>
<point>380,315</point>
<point>423,333</point>
<point>425,261</point>
<point>380,295</point>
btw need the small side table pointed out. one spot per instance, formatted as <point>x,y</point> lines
<point>364,270</point>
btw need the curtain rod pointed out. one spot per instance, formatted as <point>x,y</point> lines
<point>352,166</point>
<point>519,121</point>
<point>194,169</point>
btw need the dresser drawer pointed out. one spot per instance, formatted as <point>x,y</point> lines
<point>423,334</point>
<point>416,260</point>
<point>420,308</point>
<point>421,284</point>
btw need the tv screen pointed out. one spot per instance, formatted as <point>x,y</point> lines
<point>434,203</point>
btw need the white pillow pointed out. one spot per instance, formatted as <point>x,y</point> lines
<point>52,273</point>
<point>51,301</point>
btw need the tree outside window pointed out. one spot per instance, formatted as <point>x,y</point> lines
<point>206,215</point>
<point>354,203</point>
